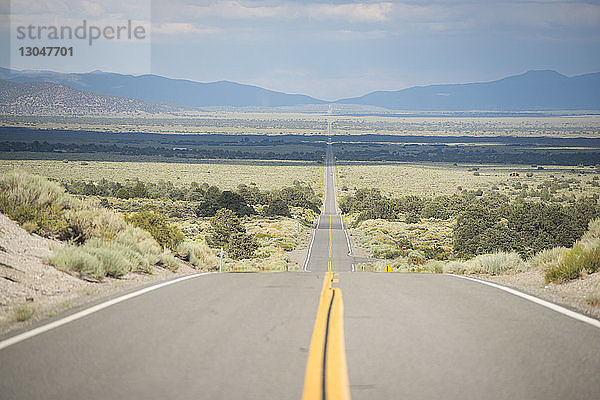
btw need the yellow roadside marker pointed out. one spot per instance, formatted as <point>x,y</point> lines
<point>387,268</point>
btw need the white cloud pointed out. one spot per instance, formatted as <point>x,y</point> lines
<point>353,12</point>
<point>181,28</point>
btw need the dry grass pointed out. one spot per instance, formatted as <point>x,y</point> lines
<point>422,179</point>
<point>223,175</point>
<point>23,312</point>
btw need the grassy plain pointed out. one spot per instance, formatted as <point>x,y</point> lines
<point>226,175</point>
<point>239,122</point>
<point>422,179</point>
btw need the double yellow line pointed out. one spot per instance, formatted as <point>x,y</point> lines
<point>326,370</point>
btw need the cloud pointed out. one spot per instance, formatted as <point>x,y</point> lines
<point>181,28</point>
<point>353,12</point>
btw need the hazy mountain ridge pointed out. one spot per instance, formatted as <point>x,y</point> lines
<point>48,98</point>
<point>540,90</point>
<point>533,90</point>
<point>154,88</point>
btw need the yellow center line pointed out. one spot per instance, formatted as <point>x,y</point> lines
<point>326,369</point>
<point>330,237</point>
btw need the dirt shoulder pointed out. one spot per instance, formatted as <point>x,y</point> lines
<point>27,282</point>
<point>570,295</point>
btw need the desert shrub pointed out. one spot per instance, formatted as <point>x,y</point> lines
<point>416,257</point>
<point>434,266</point>
<point>547,258</point>
<point>166,234</point>
<point>116,259</point>
<point>197,253</point>
<point>412,218</point>
<point>77,259</point>
<point>142,243</point>
<point>167,260</point>
<point>122,193</point>
<point>23,312</point>
<point>386,251</point>
<point>497,263</point>
<point>593,231</point>
<point>98,258</point>
<point>455,267</point>
<point>582,257</point>
<point>593,298</point>
<point>86,223</point>
<point>34,202</point>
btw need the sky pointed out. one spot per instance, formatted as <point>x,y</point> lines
<point>326,49</point>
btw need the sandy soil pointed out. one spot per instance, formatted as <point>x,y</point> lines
<point>570,295</point>
<point>26,279</point>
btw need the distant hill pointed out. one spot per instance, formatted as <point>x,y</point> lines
<point>533,90</point>
<point>47,98</point>
<point>154,88</point>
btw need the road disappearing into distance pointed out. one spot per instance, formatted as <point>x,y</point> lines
<point>296,335</point>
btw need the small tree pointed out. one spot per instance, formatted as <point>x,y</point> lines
<point>224,224</point>
<point>228,232</point>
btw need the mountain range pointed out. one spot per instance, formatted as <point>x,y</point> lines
<point>537,90</point>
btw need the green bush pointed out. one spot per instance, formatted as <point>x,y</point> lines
<point>582,257</point>
<point>166,234</point>
<point>277,207</point>
<point>122,193</point>
<point>241,245</point>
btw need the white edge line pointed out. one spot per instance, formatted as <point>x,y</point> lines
<point>311,244</point>
<point>45,328</point>
<point>547,304</point>
<point>347,237</point>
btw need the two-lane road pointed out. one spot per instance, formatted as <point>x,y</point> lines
<point>247,336</point>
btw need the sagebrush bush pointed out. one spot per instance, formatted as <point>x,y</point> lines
<point>593,231</point>
<point>77,259</point>
<point>497,263</point>
<point>166,234</point>
<point>116,260</point>
<point>548,258</point>
<point>168,261</point>
<point>43,207</point>
<point>584,256</point>
<point>455,267</point>
<point>198,254</point>
<point>141,242</point>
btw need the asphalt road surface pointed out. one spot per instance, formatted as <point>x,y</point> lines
<point>247,336</point>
